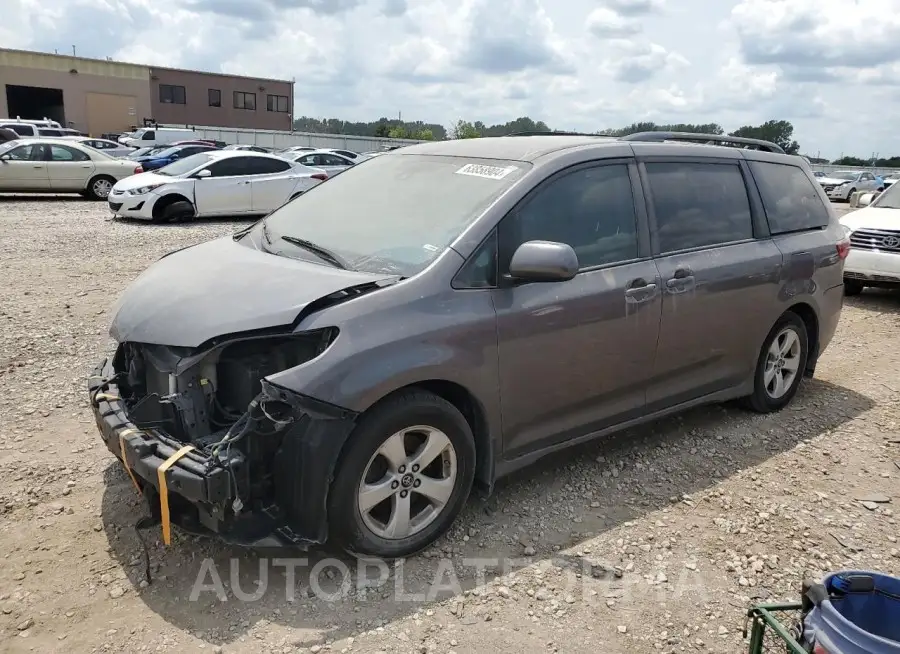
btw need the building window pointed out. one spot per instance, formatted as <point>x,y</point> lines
<point>169,94</point>
<point>215,98</point>
<point>277,103</point>
<point>244,100</point>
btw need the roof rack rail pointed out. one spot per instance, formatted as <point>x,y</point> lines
<point>534,133</point>
<point>715,139</point>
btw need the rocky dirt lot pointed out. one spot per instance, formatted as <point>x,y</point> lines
<point>655,540</point>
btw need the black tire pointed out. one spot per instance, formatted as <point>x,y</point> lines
<point>850,194</point>
<point>760,400</point>
<point>853,287</point>
<point>172,209</point>
<point>93,190</point>
<point>406,409</point>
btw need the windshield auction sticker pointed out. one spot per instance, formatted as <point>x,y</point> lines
<point>490,172</point>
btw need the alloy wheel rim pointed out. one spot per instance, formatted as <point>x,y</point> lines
<point>407,483</point>
<point>782,363</point>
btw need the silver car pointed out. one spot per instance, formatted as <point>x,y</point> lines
<point>841,184</point>
<point>105,146</point>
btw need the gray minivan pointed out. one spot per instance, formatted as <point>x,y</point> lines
<point>351,366</point>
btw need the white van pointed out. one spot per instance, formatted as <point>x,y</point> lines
<point>33,128</point>
<point>150,136</point>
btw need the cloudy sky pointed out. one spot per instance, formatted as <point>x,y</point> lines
<point>831,67</point>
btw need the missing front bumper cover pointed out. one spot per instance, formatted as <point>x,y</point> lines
<point>289,508</point>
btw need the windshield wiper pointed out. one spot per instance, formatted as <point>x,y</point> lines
<point>321,252</point>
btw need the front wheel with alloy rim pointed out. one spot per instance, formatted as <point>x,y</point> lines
<point>780,366</point>
<point>405,475</point>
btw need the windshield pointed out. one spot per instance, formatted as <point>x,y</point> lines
<point>844,174</point>
<point>392,214</point>
<point>185,165</point>
<point>167,152</point>
<point>890,199</point>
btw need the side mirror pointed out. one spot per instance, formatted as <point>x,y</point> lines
<point>5,157</point>
<point>202,174</point>
<point>543,261</point>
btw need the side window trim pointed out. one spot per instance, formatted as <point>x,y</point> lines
<point>641,223</point>
<point>458,285</point>
<point>651,209</point>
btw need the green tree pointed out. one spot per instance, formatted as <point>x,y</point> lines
<point>854,162</point>
<point>465,130</point>
<point>634,128</point>
<point>779,132</point>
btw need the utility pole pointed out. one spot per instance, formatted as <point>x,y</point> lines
<point>73,50</point>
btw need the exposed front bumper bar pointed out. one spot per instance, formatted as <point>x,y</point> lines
<point>202,490</point>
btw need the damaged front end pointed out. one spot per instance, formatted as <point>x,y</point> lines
<point>217,448</point>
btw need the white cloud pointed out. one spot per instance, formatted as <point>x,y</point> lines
<point>638,61</point>
<point>828,66</point>
<point>605,22</point>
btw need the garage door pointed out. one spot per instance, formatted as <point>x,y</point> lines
<point>107,112</point>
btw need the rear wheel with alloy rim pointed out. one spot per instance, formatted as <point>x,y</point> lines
<point>404,477</point>
<point>99,187</point>
<point>781,364</point>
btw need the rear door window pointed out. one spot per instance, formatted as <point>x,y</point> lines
<point>266,166</point>
<point>230,167</point>
<point>699,204</point>
<point>791,201</point>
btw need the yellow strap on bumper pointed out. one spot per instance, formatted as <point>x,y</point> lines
<point>122,435</point>
<point>164,491</point>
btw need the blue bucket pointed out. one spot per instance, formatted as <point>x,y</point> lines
<point>854,612</point>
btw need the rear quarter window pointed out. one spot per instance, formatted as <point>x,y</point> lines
<point>791,201</point>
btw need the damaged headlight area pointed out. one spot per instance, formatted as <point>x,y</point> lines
<point>264,453</point>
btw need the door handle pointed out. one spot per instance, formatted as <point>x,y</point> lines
<point>38,166</point>
<point>640,291</point>
<point>678,284</point>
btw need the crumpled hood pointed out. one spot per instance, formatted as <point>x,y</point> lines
<point>832,181</point>
<point>222,287</point>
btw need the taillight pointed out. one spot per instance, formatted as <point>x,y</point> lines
<point>843,247</point>
<point>139,169</point>
<point>818,649</point>
<point>319,176</point>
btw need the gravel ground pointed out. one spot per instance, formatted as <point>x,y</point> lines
<point>655,540</point>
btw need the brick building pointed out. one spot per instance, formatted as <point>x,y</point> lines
<point>97,95</point>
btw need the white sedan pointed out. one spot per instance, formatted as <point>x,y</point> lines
<point>60,166</point>
<point>217,183</point>
<point>105,146</point>
<point>328,160</point>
